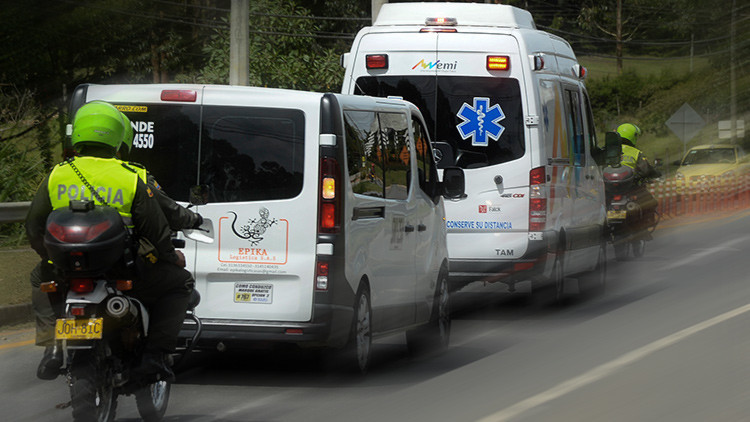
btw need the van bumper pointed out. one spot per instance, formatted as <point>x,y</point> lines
<point>330,328</point>
<point>532,264</point>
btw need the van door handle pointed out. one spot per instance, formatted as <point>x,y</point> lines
<point>409,228</point>
<point>421,227</point>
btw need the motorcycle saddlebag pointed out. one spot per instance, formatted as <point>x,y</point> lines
<point>85,239</point>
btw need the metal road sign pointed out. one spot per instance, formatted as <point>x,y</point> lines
<point>686,123</point>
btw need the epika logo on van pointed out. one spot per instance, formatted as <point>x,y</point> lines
<point>262,240</point>
<point>423,65</point>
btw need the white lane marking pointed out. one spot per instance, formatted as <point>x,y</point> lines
<point>704,253</point>
<point>608,368</point>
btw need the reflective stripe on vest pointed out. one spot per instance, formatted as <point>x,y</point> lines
<point>630,156</point>
<point>113,182</point>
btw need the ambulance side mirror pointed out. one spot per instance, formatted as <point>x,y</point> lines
<point>454,183</point>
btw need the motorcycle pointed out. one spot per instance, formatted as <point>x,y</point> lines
<point>630,212</point>
<point>103,330</point>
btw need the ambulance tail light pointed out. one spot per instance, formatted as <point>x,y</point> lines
<point>330,199</point>
<point>376,61</point>
<point>181,95</point>
<point>498,63</point>
<point>537,199</point>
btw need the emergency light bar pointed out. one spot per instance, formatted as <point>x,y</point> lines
<point>441,21</point>
<point>498,63</point>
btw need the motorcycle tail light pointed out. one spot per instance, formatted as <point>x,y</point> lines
<point>48,287</point>
<point>124,285</point>
<point>82,285</point>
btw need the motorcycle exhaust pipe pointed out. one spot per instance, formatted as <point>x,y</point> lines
<point>121,307</point>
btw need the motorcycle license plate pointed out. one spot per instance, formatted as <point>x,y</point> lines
<point>79,329</point>
<point>617,215</point>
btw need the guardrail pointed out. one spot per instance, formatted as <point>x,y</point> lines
<point>14,212</point>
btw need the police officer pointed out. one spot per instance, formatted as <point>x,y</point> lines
<point>636,159</point>
<point>98,130</point>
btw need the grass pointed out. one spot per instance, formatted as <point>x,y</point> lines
<point>14,279</point>
<point>601,67</point>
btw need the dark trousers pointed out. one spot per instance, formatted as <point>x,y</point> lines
<point>164,289</point>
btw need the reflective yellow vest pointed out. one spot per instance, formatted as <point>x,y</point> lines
<point>630,156</point>
<point>114,182</point>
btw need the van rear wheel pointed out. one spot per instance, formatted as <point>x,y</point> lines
<point>435,336</point>
<point>358,350</point>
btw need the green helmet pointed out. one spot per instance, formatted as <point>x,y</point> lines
<point>98,122</point>
<point>127,138</point>
<point>629,131</point>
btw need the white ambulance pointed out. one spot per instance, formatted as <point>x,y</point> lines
<point>507,103</point>
<point>326,211</point>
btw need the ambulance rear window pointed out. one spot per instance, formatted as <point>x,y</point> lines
<point>473,121</point>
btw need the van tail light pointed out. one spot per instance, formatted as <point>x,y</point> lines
<point>330,199</point>
<point>321,275</point>
<point>181,95</point>
<point>82,285</point>
<point>537,199</point>
<point>376,61</point>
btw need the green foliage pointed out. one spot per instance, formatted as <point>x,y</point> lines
<point>283,53</point>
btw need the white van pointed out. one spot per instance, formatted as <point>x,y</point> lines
<point>326,211</point>
<point>507,103</point>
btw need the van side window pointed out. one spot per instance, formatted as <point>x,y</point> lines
<point>596,152</point>
<point>252,154</point>
<point>426,169</point>
<point>397,156</point>
<point>574,124</point>
<point>363,153</point>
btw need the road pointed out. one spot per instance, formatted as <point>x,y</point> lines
<point>668,341</point>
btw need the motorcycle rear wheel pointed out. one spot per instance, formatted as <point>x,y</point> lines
<point>639,247</point>
<point>152,401</point>
<point>621,250</point>
<point>92,394</point>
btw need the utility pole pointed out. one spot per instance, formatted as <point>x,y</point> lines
<point>732,75</point>
<point>239,42</point>
<point>619,37</point>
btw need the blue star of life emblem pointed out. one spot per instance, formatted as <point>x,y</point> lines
<point>480,122</point>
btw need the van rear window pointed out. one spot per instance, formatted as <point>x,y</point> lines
<point>456,110</point>
<point>165,141</point>
<point>251,153</point>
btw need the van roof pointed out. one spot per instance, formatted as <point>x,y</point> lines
<point>466,14</point>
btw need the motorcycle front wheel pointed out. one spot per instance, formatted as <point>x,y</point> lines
<point>152,401</point>
<point>92,393</point>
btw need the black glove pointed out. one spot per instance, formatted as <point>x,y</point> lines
<point>46,271</point>
<point>198,221</point>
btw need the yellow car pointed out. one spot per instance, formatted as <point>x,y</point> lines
<point>708,162</point>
